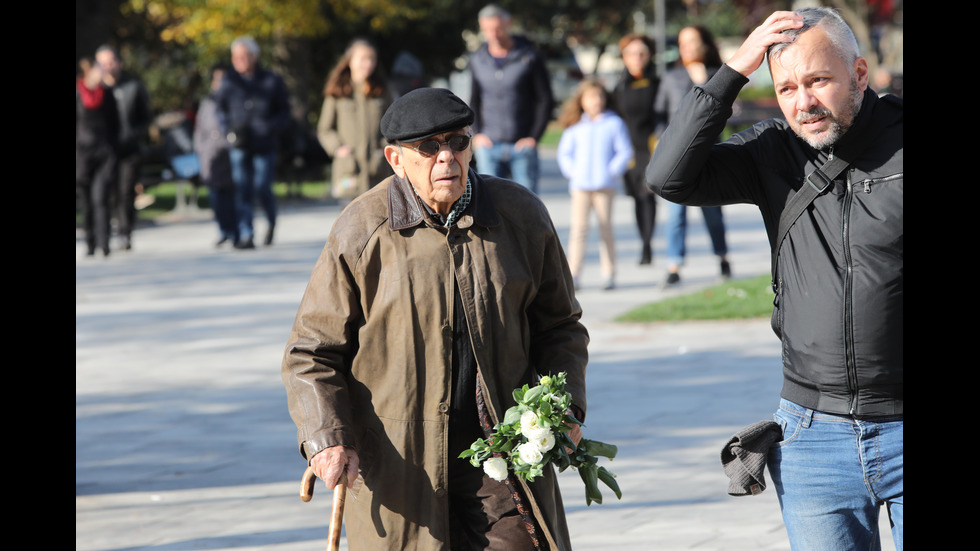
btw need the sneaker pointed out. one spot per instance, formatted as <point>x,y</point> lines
<point>609,285</point>
<point>726,270</point>
<point>245,244</point>
<point>673,278</point>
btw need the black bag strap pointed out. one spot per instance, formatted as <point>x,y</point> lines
<point>818,182</point>
<point>821,178</point>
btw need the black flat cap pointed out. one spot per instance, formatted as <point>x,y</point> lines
<point>423,113</point>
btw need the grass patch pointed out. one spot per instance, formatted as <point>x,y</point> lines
<point>734,299</point>
<point>551,135</point>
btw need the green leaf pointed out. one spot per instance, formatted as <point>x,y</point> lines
<point>601,449</point>
<point>590,477</point>
<point>533,395</point>
<point>519,394</point>
<point>513,415</point>
<point>610,480</point>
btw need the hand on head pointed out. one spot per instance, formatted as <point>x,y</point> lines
<point>752,52</point>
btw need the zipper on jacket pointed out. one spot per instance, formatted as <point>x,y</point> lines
<point>865,185</point>
<point>850,362</point>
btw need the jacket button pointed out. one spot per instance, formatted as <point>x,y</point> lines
<point>443,407</point>
<point>440,492</point>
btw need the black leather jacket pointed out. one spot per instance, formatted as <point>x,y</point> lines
<point>839,308</point>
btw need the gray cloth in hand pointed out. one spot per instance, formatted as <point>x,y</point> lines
<point>744,457</point>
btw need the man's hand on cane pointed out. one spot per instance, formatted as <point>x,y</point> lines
<point>330,463</point>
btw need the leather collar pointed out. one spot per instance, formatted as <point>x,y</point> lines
<point>405,208</point>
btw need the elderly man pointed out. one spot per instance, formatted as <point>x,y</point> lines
<point>253,110</point>
<point>829,178</point>
<point>439,292</point>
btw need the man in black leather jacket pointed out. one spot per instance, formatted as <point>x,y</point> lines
<point>840,282</point>
<point>135,118</point>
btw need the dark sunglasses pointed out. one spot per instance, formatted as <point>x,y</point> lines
<point>430,148</point>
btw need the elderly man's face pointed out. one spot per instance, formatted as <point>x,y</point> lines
<point>818,92</point>
<point>242,60</point>
<point>440,179</point>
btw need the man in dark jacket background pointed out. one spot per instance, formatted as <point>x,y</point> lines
<point>839,271</point>
<point>253,110</point>
<point>511,96</point>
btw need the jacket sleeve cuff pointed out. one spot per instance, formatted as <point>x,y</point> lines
<point>725,85</point>
<point>325,438</point>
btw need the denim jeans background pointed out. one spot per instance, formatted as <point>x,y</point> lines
<point>502,160</point>
<point>252,174</point>
<point>832,474</point>
<point>677,232</point>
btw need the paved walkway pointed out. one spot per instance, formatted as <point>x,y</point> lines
<point>183,441</point>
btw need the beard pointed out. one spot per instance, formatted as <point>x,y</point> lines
<point>839,124</point>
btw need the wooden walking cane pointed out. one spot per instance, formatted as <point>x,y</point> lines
<point>336,513</point>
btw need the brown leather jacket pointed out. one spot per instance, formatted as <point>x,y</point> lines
<point>368,364</point>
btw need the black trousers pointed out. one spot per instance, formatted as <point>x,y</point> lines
<point>482,513</point>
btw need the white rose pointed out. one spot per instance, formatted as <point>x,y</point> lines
<point>545,444</point>
<point>531,427</point>
<point>529,453</point>
<point>496,468</point>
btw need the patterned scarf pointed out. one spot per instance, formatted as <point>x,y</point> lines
<point>460,205</point>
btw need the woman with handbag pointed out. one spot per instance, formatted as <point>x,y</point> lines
<point>355,97</point>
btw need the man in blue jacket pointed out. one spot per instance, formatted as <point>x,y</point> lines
<point>253,109</point>
<point>839,271</point>
<point>511,96</point>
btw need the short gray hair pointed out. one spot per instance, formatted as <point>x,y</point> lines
<point>832,23</point>
<point>493,10</point>
<point>248,42</point>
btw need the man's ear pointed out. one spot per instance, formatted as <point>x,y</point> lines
<point>394,156</point>
<point>861,73</point>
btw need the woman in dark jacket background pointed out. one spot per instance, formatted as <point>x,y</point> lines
<point>635,93</point>
<point>700,59</point>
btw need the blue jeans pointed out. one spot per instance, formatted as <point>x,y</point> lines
<point>502,160</point>
<point>677,232</point>
<point>832,474</point>
<point>252,174</point>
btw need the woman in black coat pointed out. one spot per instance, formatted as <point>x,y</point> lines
<point>635,93</point>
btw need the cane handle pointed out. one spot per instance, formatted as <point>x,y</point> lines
<point>306,485</point>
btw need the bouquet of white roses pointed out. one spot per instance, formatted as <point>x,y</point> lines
<point>535,432</point>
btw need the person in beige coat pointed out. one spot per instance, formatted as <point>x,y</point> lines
<point>355,97</point>
<point>438,292</point>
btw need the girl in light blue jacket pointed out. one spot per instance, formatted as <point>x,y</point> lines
<point>593,153</point>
